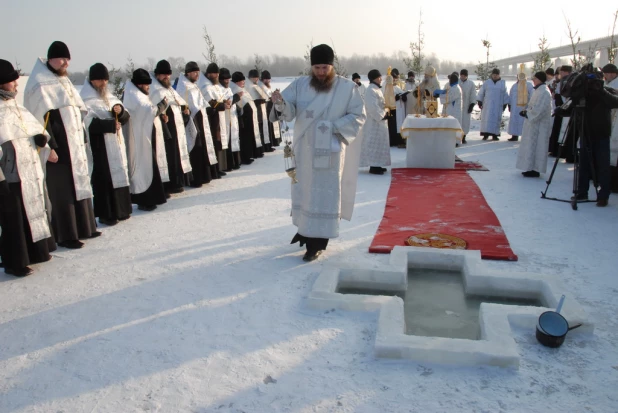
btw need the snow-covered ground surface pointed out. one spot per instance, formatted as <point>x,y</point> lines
<point>198,307</point>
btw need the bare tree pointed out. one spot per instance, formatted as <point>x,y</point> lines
<point>210,54</point>
<point>542,60</point>
<point>416,62</point>
<point>307,70</point>
<point>484,69</point>
<point>577,60</point>
<point>257,63</point>
<point>611,50</point>
<point>339,67</point>
<point>129,67</point>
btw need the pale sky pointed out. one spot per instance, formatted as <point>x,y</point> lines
<point>113,30</point>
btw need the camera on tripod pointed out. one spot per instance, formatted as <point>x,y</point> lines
<point>579,84</point>
<point>577,88</point>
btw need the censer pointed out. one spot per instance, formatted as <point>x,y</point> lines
<point>288,153</point>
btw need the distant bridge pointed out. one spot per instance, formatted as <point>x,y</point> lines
<point>600,45</point>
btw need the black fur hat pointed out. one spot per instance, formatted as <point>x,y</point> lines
<point>191,67</point>
<point>7,72</point>
<point>58,49</point>
<point>237,77</point>
<point>322,54</point>
<point>163,68</point>
<point>541,76</point>
<point>98,71</point>
<point>373,74</point>
<point>224,73</point>
<point>141,77</point>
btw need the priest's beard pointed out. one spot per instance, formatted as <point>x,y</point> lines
<point>59,72</point>
<point>325,85</point>
<point>101,91</point>
<point>165,83</point>
<point>213,80</point>
<point>143,90</point>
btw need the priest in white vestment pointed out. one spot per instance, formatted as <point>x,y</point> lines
<point>329,114</point>
<point>26,235</point>
<point>175,130</point>
<point>53,100</point>
<point>145,143</point>
<point>410,83</point>
<point>492,99</point>
<point>519,96</point>
<point>202,153</point>
<point>259,99</point>
<point>223,122</point>
<point>468,100</point>
<point>104,121</point>
<point>274,127</point>
<point>250,137</point>
<point>361,88</point>
<point>375,151</point>
<point>451,98</point>
<point>532,154</point>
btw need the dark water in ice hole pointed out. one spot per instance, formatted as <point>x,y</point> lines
<point>435,304</point>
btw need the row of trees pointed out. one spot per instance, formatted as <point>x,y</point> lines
<point>416,60</point>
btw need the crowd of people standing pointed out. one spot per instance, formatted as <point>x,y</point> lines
<point>68,157</point>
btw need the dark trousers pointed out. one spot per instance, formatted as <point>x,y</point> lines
<point>600,161</point>
<point>313,244</point>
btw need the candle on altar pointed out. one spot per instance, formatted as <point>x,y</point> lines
<point>418,104</point>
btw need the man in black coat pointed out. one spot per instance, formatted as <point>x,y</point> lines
<point>594,152</point>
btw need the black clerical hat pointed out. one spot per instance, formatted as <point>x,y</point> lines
<point>265,74</point>
<point>191,67</point>
<point>253,73</point>
<point>98,71</point>
<point>212,68</point>
<point>163,68</point>
<point>7,72</point>
<point>237,77</point>
<point>322,54</point>
<point>224,73</point>
<point>373,74</point>
<point>141,77</point>
<point>58,49</point>
<point>541,76</point>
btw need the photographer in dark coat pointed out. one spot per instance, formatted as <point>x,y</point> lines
<point>597,130</point>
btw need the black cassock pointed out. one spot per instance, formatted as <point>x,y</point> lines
<point>200,164</point>
<point>275,140</point>
<point>266,147</point>
<point>16,246</point>
<point>177,176</point>
<point>109,203</point>
<point>155,194</point>
<point>248,148</point>
<point>555,138</point>
<point>71,219</point>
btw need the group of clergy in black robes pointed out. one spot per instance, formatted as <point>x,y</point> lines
<point>74,201</point>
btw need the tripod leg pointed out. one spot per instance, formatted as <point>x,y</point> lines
<point>560,149</point>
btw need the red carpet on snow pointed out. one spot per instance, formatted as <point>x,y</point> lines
<point>444,201</point>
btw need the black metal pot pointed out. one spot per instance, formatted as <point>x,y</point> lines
<point>552,327</point>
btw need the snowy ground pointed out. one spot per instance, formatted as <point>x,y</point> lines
<point>198,307</point>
